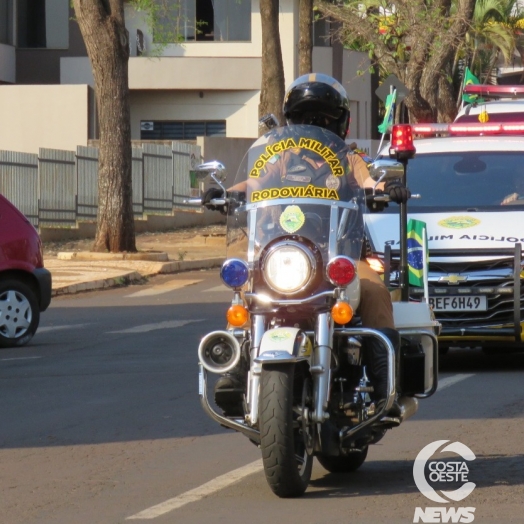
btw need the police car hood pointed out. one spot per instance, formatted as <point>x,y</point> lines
<point>456,232</point>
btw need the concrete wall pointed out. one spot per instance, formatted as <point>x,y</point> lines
<point>51,116</point>
<point>356,79</point>
<point>238,109</point>
<point>228,151</point>
<point>150,224</point>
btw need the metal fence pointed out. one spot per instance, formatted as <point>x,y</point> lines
<point>60,188</point>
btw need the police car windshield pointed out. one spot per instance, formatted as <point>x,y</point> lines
<point>466,180</point>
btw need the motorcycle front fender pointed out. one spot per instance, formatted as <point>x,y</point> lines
<point>284,345</point>
<point>278,346</point>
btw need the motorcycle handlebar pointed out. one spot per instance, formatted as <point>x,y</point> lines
<point>198,201</point>
<point>385,198</point>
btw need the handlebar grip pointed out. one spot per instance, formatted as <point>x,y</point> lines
<point>192,201</point>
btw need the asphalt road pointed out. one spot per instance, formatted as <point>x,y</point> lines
<point>101,423</point>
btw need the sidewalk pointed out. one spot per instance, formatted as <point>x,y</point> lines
<point>75,268</point>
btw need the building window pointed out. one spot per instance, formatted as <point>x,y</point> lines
<point>6,22</point>
<point>204,20</point>
<point>321,32</point>
<point>43,23</point>
<point>159,130</point>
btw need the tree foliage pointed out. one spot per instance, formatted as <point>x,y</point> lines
<point>416,40</point>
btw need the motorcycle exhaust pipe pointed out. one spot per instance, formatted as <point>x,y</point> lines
<point>219,352</point>
<point>408,407</point>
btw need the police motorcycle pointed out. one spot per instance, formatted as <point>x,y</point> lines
<point>293,339</point>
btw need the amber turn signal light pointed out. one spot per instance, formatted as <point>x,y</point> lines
<point>237,315</point>
<point>342,312</point>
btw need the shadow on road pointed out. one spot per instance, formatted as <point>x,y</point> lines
<point>392,477</point>
<point>98,381</point>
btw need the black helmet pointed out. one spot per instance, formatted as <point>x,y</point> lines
<point>319,100</point>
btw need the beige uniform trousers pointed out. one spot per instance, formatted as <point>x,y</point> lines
<point>376,310</point>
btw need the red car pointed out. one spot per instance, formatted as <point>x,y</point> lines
<point>25,285</point>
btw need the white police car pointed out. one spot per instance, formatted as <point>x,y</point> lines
<point>471,183</point>
<point>498,104</point>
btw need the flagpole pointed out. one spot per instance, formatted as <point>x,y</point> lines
<point>391,88</point>
<point>425,264</point>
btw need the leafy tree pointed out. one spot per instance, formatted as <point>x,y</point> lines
<point>106,38</point>
<point>492,33</point>
<point>414,39</point>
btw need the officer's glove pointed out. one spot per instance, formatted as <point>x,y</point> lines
<point>210,194</point>
<point>397,191</point>
<point>374,205</point>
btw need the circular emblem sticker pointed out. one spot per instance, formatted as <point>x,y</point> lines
<point>332,182</point>
<point>459,222</point>
<point>280,335</point>
<point>292,219</point>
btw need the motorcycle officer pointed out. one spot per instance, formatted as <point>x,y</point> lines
<point>319,100</point>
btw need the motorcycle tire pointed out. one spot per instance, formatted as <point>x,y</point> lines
<point>345,464</point>
<point>287,464</point>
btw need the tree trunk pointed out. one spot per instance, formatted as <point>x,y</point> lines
<point>272,89</point>
<point>435,71</point>
<point>107,41</point>
<point>305,40</point>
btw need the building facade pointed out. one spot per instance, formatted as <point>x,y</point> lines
<point>205,83</point>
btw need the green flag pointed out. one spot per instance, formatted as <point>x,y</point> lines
<point>417,252</point>
<point>470,78</point>
<point>390,111</point>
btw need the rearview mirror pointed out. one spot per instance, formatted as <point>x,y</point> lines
<point>383,170</point>
<point>213,169</point>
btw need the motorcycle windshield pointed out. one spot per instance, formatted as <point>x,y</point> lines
<point>295,183</point>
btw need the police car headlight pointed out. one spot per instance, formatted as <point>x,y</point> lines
<point>288,267</point>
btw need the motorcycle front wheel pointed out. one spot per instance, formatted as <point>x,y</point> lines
<point>287,463</point>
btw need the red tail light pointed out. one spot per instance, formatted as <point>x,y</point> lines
<point>402,146</point>
<point>341,271</point>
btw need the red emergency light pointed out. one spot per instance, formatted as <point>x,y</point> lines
<point>402,147</point>
<point>489,91</point>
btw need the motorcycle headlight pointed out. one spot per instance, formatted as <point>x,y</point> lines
<point>288,267</point>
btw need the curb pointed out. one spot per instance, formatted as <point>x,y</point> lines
<point>130,276</point>
<point>103,283</point>
<point>158,256</point>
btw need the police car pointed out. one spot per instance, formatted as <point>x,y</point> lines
<point>495,104</point>
<point>470,177</point>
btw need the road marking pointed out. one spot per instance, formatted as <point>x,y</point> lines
<point>163,288</point>
<point>202,491</point>
<point>449,381</point>
<point>227,479</point>
<point>17,358</point>
<point>54,328</point>
<point>167,324</point>
<point>222,287</point>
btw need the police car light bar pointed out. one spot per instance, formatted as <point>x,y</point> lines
<point>488,91</point>
<point>469,129</point>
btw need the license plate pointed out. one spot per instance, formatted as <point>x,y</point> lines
<point>459,303</point>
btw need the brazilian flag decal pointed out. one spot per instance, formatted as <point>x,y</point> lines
<point>416,250</point>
